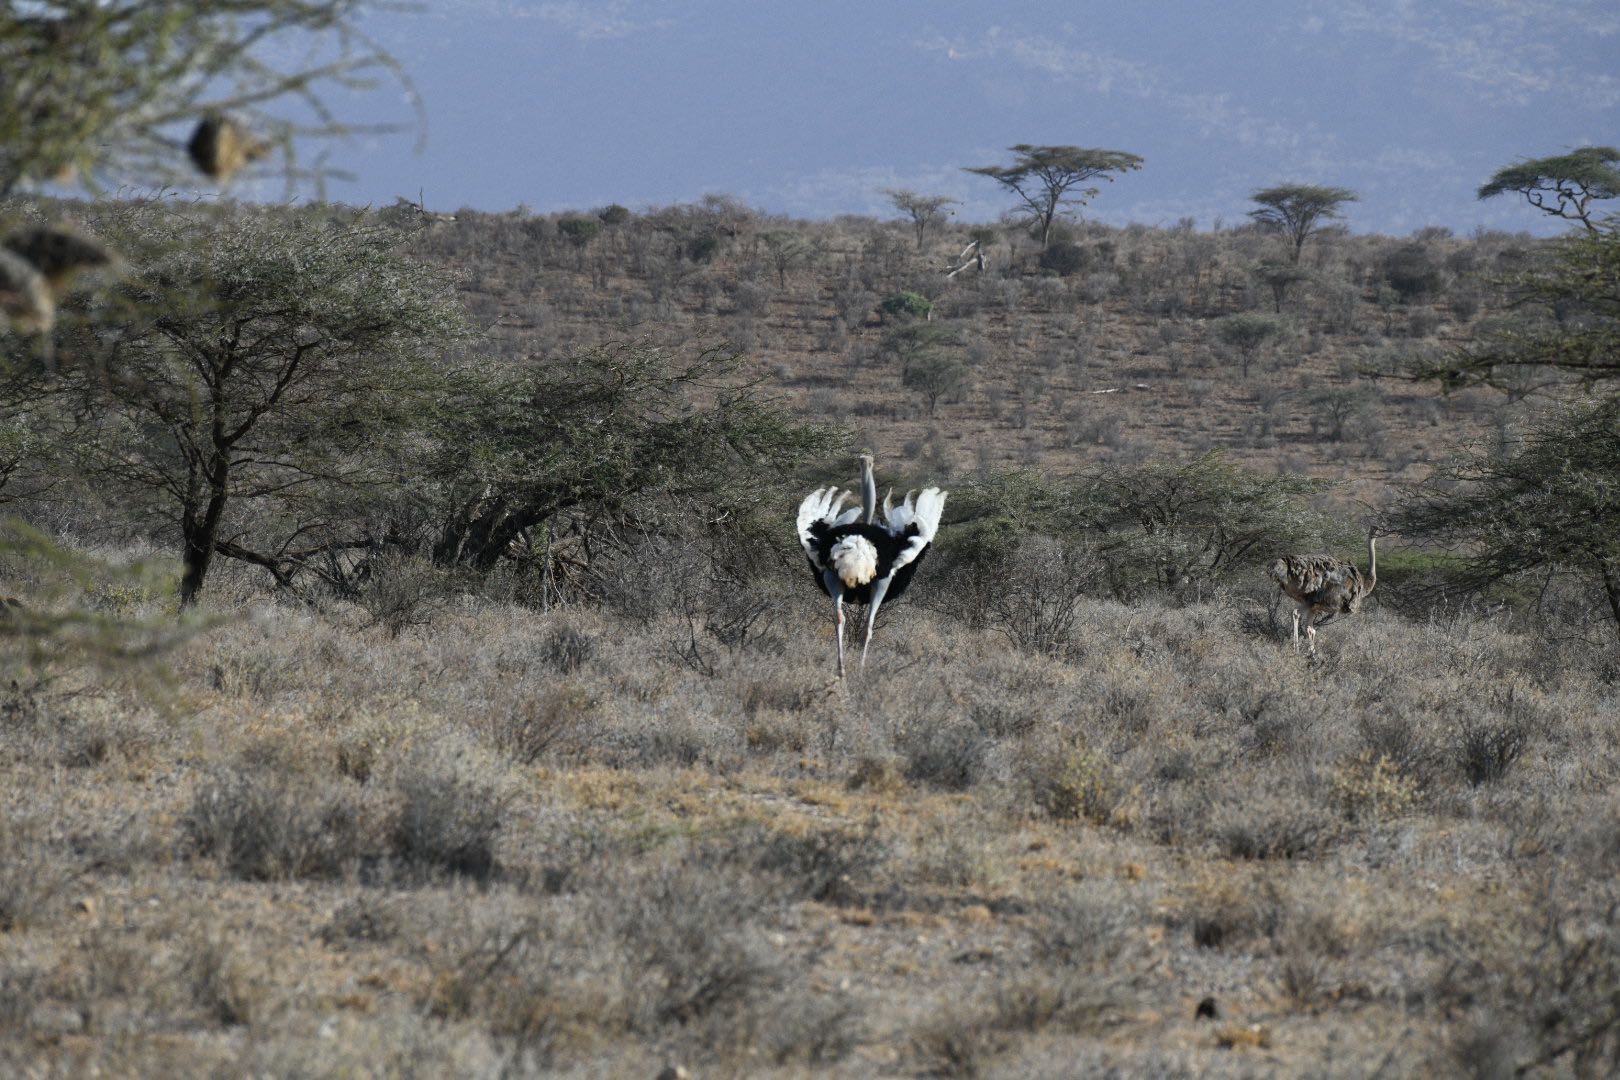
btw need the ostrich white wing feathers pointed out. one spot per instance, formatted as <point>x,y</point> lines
<point>820,505</point>
<point>924,514</point>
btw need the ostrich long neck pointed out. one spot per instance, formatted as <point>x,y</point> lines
<point>868,492</point>
<point>1372,562</point>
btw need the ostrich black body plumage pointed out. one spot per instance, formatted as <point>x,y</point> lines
<point>889,547</point>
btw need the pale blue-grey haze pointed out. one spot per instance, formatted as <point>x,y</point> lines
<point>813,109</point>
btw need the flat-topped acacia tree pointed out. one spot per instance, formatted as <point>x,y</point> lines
<point>1564,185</point>
<point>1298,210</point>
<point>1047,178</point>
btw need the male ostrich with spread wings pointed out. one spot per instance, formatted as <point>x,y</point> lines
<point>858,558</point>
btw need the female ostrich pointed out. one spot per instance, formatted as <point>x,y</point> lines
<point>856,557</point>
<point>1322,586</point>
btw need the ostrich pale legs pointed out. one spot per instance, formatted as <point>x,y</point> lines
<point>1323,586</point>
<point>835,585</point>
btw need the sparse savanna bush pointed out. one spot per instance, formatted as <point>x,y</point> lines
<point>566,842</point>
<point>546,776</point>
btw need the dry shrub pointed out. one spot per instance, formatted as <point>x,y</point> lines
<point>400,592</point>
<point>959,1042</point>
<point>1093,926</point>
<point>1549,984</point>
<point>532,976</point>
<point>1077,782</point>
<point>1402,742</point>
<point>220,985</point>
<point>1231,912</point>
<point>881,775</point>
<point>447,824</point>
<point>1274,825</point>
<point>949,756</point>
<point>812,1029</point>
<point>1372,789</point>
<point>21,989</point>
<point>830,865</point>
<point>367,918</point>
<point>1484,750</point>
<point>365,746</point>
<point>1036,596</point>
<point>1305,971</point>
<point>532,725</point>
<point>32,878</point>
<point>267,825</point>
<point>566,649</point>
<point>694,950</point>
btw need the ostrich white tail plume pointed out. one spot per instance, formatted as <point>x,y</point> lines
<point>855,560</point>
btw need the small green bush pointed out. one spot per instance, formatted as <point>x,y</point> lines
<point>906,305</point>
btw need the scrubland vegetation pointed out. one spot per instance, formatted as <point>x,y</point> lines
<point>530,764</point>
<point>409,668</point>
<point>588,842</point>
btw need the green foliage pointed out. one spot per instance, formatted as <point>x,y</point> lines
<point>702,248</point>
<point>1412,272</point>
<point>1247,332</point>
<point>613,215</point>
<point>1063,258</point>
<point>578,231</point>
<point>1564,185</point>
<point>586,453</point>
<point>274,362</point>
<point>935,375</point>
<point>1297,210</point>
<point>1180,524</point>
<point>912,341</point>
<point>1567,325</point>
<point>96,90</point>
<point>1160,525</point>
<point>1548,502</point>
<point>906,305</point>
<point>1046,178</point>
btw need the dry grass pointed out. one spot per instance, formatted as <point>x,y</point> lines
<point>510,843</point>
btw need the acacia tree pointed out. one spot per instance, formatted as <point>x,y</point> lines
<point>935,375</point>
<point>1568,324</point>
<point>925,211</point>
<point>1179,523</point>
<point>1246,332</point>
<point>262,365</point>
<point>1564,185</point>
<point>1547,503</point>
<point>787,251</point>
<point>613,441</point>
<point>1046,179</point>
<point>1298,210</point>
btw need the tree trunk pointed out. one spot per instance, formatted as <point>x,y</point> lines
<point>483,534</point>
<point>199,533</point>
<point>198,538</point>
<point>1611,586</point>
